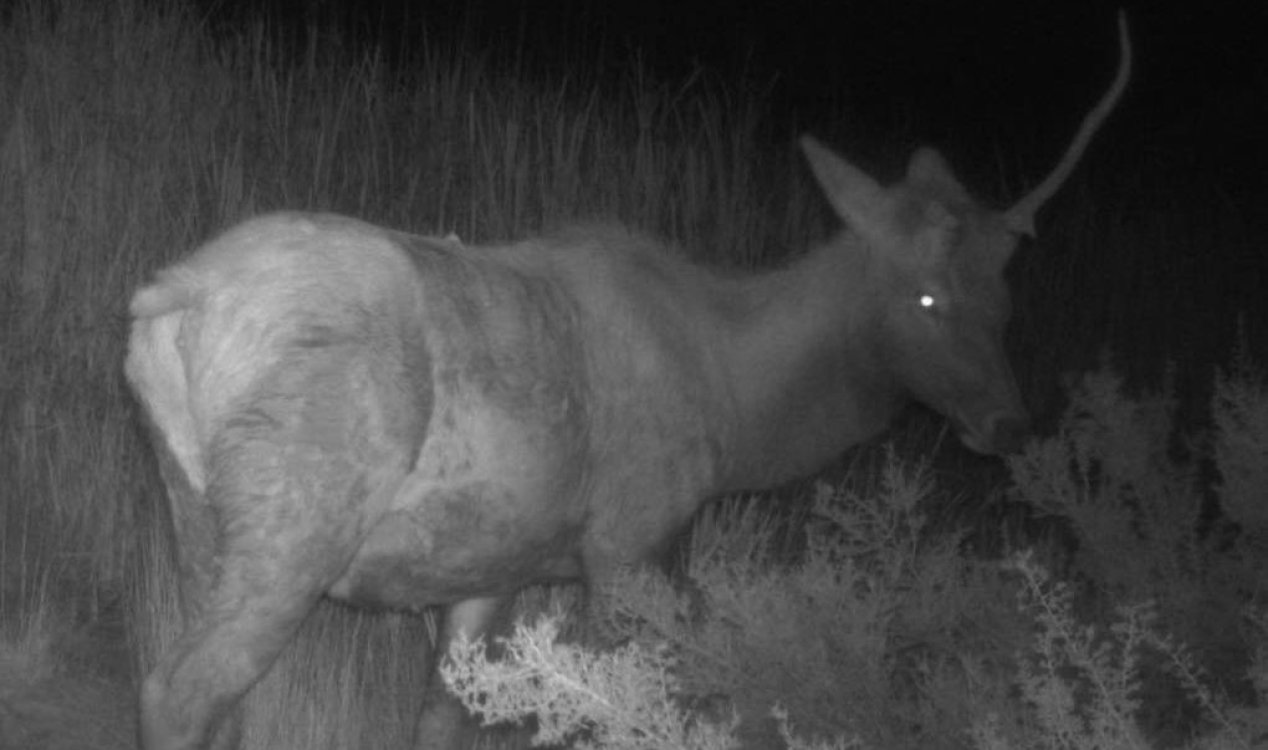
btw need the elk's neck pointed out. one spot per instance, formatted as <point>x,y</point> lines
<point>803,362</point>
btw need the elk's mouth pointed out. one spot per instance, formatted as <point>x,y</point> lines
<point>997,435</point>
<point>975,442</point>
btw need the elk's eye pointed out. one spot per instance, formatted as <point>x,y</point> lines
<point>928,302</point>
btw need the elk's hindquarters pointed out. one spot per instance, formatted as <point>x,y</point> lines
<point>283,465</point>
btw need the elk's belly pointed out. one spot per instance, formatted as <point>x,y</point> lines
<point>495,501</point>
<point>462,543</point>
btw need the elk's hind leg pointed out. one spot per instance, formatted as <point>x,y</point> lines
<point>290,481</point>
<point>276,554</point>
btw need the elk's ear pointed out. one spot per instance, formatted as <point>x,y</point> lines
<point>928,171</point>
<point>856,198</point>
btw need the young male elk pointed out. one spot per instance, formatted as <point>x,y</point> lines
<point>341,410</point>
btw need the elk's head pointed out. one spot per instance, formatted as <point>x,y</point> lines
<point>937,301</point>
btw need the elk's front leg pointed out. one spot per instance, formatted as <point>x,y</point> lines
<point>445,723</point>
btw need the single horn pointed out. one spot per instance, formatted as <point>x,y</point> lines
<point>1020,219</point>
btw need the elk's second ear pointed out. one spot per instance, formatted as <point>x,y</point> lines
<point>857,199</point>
<point>929,171</point>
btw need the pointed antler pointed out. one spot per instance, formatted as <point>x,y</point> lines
<point>1021,217</point>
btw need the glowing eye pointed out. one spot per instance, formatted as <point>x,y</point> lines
<point>927,301</point>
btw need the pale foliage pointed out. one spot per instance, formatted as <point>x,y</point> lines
<point>1239,409</point>
<point>1133,483</point>
<point>1240,727</point>
<point>1108,470</point>
<point>873,630</point>
<point>622,698</point>
<point>1081,683</point>
<point>1084,684</point>
<point>787,732</point>
<point>1134,487</point>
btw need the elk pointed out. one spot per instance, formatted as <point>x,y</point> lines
<point>398,421</point>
